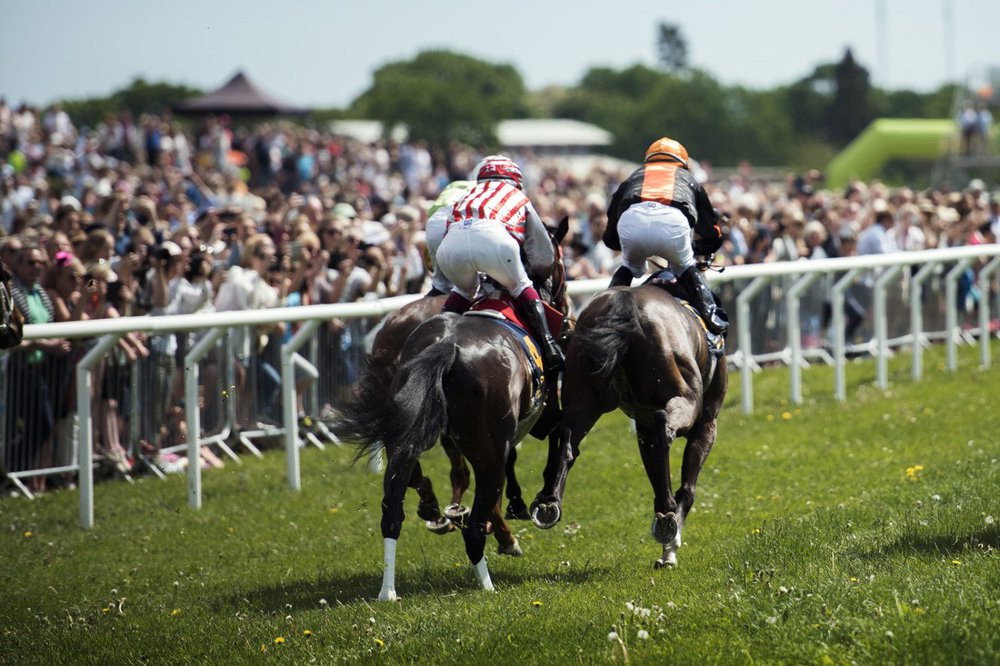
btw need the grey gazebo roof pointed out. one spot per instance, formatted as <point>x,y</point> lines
<point>239,96</point>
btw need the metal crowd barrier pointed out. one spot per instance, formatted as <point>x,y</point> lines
<point>789,313</point>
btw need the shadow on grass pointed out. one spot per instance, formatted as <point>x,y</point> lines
<point>364,587</point>
<point>913,543</point>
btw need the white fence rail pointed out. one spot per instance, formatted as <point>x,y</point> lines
<point>765,302</point>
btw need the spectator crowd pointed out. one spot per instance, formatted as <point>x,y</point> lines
<point>151,216</point>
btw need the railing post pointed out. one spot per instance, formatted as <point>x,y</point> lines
<point>288,396</point>
<point>917,318</point>
<point>951,315</point>
<point>743,333</point>
<point>837,321</point>
<point>882,326</point>
<point>86,441</point>
<point>985,274</point>
<point>192,413</point>
<point>794,333</point>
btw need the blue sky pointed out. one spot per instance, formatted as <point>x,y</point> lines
<point>323,53</point>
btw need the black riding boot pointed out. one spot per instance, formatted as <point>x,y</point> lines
<point>703,301</point>
<point>622,277</point>
<point>534,314</point>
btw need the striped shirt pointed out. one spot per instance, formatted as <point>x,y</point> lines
<point>494,200</point>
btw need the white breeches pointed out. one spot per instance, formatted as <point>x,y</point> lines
<point>481,246</point>
<point>651,229</point>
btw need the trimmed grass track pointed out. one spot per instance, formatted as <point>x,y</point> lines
<point>825,533</point>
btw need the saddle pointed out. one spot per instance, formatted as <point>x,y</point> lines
<point>666,280</point>
<point>500,307</point>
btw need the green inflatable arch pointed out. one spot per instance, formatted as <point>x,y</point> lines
<point>887,138</point>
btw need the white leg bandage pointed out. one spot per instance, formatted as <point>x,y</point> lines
<point>388,592</point>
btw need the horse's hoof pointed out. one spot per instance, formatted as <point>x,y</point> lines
<point>440,525</point>
<point>388,595</point>
<point>546,515</point>
<point>665,528</point>
<point>669,561</point>
<point>512,549</point>
<point>457,514</point>
<point>428,511</point>
<point>517,510</point>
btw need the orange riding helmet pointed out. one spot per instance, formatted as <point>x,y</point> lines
<point>666,149</point>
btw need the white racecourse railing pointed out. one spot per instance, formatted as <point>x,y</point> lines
<point>748,282</point>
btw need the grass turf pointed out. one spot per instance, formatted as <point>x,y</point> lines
<point>824,533</point>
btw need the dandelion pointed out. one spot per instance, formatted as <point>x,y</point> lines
<point>989,520</point>
<point>936,498</point>
<point>323,602</point>
<point>307,633</point>
<point>853,579</point>
<point>536,604</point>
<point>914,472</point>
<point>918,611</point>
<point>629,605</point>
<point>279,640</point>
<point>613,636</point>
<point>334,509</point>
<point>643,635</point>
<point>671,604</point>
<point>755,531</point>
<point>175,612</point>
<point>957,563</point>
<point>770,417</point>
<point>786,415</point>
<point>771,619</point>
<point>28,535</point>
<point>263,648</point>
<point>643,613</point>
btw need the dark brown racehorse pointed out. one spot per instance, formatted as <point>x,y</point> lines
<point>382,364</point>
<point>11,319</point>
<point>640,350</point>
<point>463,379</point>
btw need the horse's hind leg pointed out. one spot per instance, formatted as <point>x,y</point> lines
<point>428,508</point>
<point>398,472</point>
<point>654,448</point>
<point>489,487</point>
<point>516,508</point>
<point>699,445</point>
<point>460,478</point>
<point>580,414</point>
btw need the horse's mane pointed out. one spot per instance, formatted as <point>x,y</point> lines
<point>604,344</point>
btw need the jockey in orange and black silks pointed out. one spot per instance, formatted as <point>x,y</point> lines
<point>486,232</point>
<point>653,212</point>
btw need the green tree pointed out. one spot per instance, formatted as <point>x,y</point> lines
<point>443,96</point>
<point>138,98</point>
<point>671,47</point>
<point>850,111</point>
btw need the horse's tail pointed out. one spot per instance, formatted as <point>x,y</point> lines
<point>407,421</point>
<point>605,343</point>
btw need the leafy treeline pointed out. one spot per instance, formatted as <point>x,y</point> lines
<point>444,96</point>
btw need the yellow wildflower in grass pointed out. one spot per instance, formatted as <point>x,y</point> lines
<point>536,604</point>
<point>280,640</point>
<point>307,633</point>
<point>175,612</point>
<point>379,642</point>
<point>770,417</point>
<point>914,472</point>
<point>334,509</point>
<point>28,535</point>
<point>755,531</point>
<point>957,563</point>
<point>786,415</point>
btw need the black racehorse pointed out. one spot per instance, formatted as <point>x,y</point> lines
<point>11,319</point>
<point>468,381</point>
<point>641,350</point>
